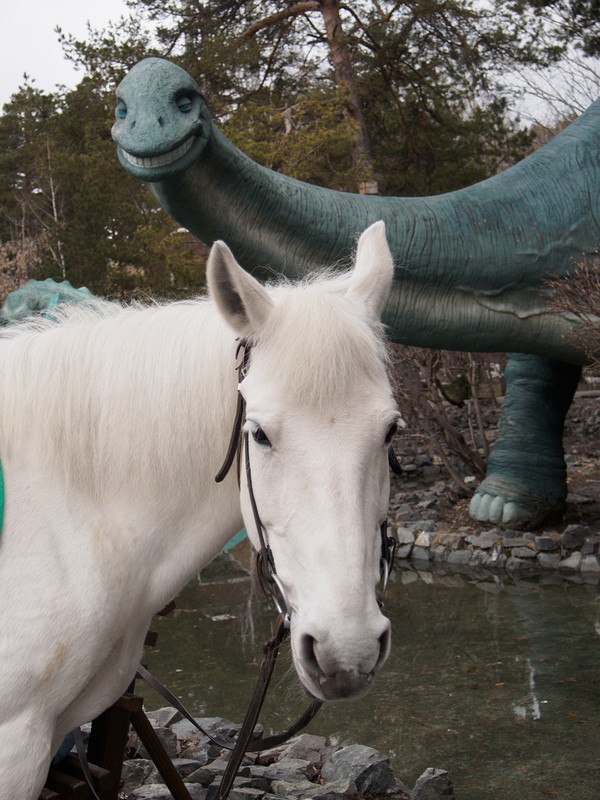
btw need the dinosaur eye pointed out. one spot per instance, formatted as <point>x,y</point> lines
<point>184,104</point>
<point>260,437</point>
<point>121,110</point>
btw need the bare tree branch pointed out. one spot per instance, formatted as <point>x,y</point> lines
<point>286,13</point>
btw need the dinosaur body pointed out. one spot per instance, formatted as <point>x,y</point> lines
<point>470,264</point>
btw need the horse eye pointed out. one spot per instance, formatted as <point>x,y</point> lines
<point>260,437</point>
<point>121,110</point>
<point>392,431</point>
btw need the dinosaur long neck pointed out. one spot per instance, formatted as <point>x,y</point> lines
<point>470,264</point>
<point>269,220</point>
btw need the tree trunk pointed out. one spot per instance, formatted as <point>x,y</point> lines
<point>346,82</point>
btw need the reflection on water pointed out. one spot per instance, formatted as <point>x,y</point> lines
<point>498,682</point>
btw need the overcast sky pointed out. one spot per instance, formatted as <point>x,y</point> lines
<point>29,44</point>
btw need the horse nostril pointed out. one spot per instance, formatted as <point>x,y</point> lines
<point>384,646</point>
<point>307,650</point>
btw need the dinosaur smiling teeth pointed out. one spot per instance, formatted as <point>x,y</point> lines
<point>161,160</point>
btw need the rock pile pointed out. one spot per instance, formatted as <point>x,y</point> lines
<point>418,520</point>
<point>307,766</point>
<point>429,531</point>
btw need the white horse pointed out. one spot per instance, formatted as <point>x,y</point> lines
<point>113,422</point>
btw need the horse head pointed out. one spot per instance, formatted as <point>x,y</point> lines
<point>319,419</point>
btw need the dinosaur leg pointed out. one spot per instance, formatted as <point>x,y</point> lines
<point>526,474</point>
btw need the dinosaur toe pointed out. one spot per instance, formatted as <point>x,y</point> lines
<point>511,505</point>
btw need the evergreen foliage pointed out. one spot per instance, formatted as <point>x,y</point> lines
<point>428,77</point>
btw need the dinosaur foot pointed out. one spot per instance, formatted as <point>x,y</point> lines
<point>500,501</point>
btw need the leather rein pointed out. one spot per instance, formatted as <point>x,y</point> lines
<point>274,590</point>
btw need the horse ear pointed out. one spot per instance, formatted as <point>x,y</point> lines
<point>241,299</point>
<point>373,269</point>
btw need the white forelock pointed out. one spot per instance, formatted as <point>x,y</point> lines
<point>320,341</point>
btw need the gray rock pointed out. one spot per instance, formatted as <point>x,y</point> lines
<point>423,539</point>
<point>185,730</point>
<point>430,472</point>
<point>459,557</point>
<point>433,784</point>
<point>135,772</point>
<point>484,540</point>
<point>238,792</point>
<point>335,790</point>
<point>439,553</point>
<point>590,564</point>
<point>479,558</point>
<point>368,769</point>
<point>405,536</point>
<point>497,558</point>
<point>167,737</point>
<point>572,563</point>
<point>151,791</point>
<point>549,560</point>
<point>215,726</point>
<point>523,552</point>
<point>515,563</point>
<point>155,791</point>
<point>455,541</point>
<point>403,512</point>
<point>547,543</point>
<point>218,766</point>
<point>420,554</point>
<point>289,789</point>
<point>203,776</point>
<point>307,746</point>
<point>183,766</point>
<point>201,750</point>
<point>574,536</point>
<point>426,525</point>
<point>404,551</point>
<point>287,769</point>
<point>246,793</point>
<point>254,783</point>
<point>510,542</point>
<point>590,547</point>
<point>164,717</point>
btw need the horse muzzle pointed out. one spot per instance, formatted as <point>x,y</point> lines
<point>334,669</point>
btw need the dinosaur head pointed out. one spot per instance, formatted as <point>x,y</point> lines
<point>162,122</point>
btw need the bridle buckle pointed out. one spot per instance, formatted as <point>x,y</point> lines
<point>386,562</point>
<point>271,584</point>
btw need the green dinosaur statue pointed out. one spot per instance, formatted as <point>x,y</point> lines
<point>40,296</point>
<point>470,264</point>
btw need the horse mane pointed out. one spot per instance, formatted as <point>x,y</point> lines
<point>105,390</point>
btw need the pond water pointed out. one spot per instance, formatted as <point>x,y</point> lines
<point>497,681</point>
